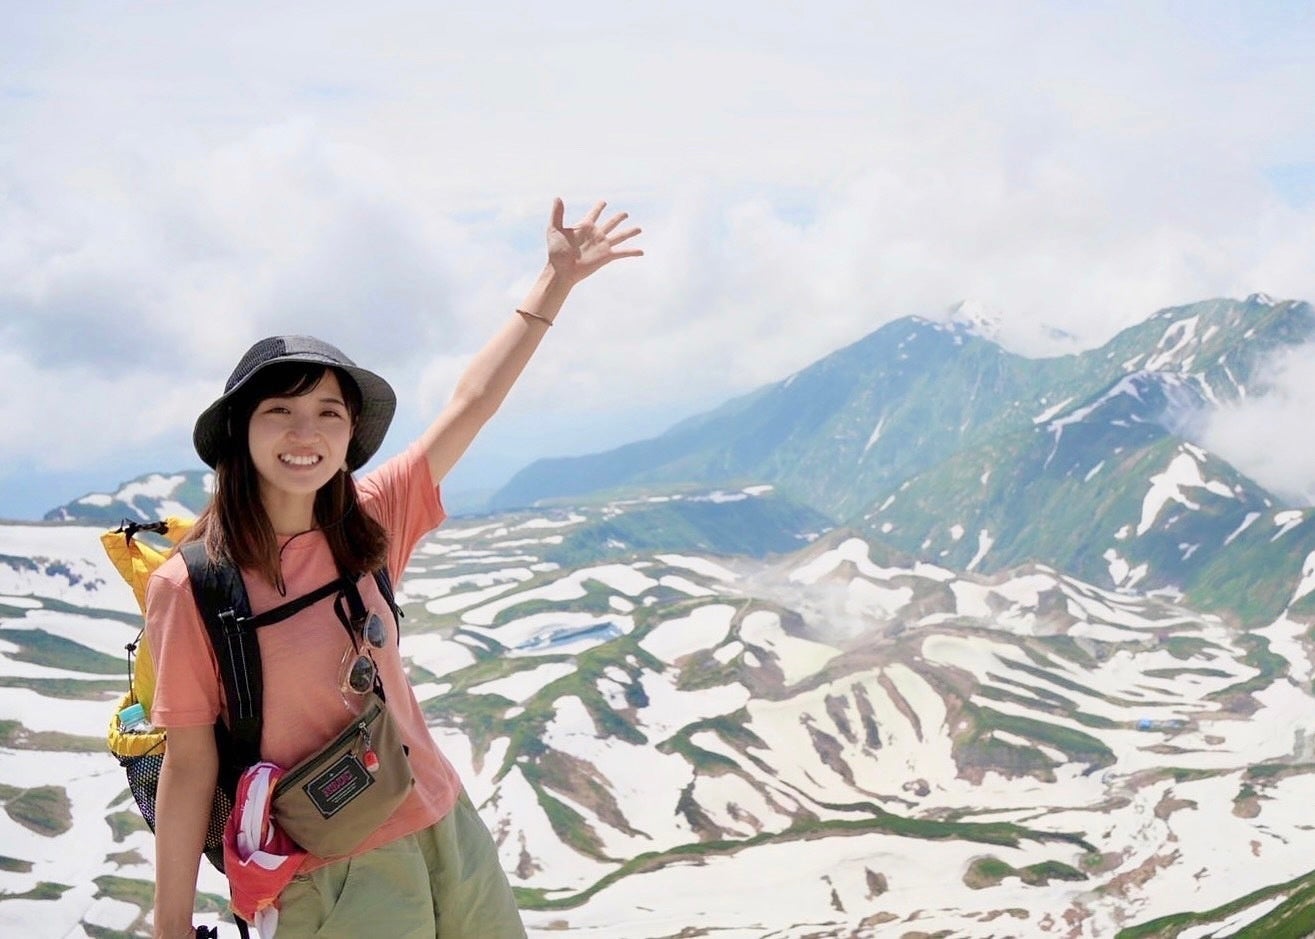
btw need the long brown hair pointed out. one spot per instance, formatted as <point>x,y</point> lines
<point>235,526</point>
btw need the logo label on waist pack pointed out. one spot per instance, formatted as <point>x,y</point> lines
<point>341,782</point>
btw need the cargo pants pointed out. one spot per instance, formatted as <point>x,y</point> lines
<point>445,882</point>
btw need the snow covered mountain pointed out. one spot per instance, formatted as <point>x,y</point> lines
<point>1107,491</point>
<point>145,499</point>
<point>834,741</point>
<point>936,440</point>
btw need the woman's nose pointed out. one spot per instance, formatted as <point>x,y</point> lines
<point>303,425</point>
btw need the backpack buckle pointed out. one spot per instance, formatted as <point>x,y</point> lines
<point>231,622</point>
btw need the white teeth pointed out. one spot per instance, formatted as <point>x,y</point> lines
<point>299,460</point>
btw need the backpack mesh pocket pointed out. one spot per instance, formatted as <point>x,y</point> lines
<point>144,779</point>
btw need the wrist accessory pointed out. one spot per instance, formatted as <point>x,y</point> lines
<point>535,316</point>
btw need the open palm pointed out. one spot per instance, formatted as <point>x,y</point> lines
<point>578,251</point>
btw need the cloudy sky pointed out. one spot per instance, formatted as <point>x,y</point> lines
<point>178,180</point>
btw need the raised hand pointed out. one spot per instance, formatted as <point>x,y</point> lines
<point>576,252</point>
<point>573,254</point>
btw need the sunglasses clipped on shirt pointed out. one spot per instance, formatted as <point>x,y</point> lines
<point>359,670</point>
<point>366,629</point>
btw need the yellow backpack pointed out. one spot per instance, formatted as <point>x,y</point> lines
<point>135,560</point>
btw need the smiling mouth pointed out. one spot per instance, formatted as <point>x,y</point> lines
<point>290,459</point>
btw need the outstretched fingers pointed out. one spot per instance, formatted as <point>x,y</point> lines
<point>623,236</point>
<point>592,217</point>
<point>592,242</point>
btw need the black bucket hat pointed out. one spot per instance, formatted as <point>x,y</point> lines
<point>211,435</point>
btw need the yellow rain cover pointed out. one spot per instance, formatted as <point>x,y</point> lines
<point>135,560</point>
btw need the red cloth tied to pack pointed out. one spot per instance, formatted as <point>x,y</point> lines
<point>259,858</point>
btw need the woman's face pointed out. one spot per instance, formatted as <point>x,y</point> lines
<point>298,442</point>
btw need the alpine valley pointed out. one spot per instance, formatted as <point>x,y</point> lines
<point>926,640</point>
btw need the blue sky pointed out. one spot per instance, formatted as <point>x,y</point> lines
<point>177,180</point>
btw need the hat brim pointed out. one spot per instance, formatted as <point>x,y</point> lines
<point>211,435</point>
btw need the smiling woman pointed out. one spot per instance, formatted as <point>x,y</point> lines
<point>299,441</point>
<point>312,416</point>
<point>337,722</point>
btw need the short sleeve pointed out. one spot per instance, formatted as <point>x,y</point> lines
<point>402,496</point>
<point>186,673</point>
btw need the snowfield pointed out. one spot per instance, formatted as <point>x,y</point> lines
<point>797,747</point>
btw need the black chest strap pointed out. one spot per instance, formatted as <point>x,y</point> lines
<point>221,598</point>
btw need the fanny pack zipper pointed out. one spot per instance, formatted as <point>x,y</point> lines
<point>361,728</point>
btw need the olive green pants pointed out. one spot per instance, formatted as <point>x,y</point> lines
<point>443,882</point>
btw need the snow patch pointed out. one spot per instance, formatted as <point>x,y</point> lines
<point>1051,412</point>
<point>572,519</point>
<point>1246,523</point>
<point>1286,521</point>
<point>874,436</point>
<point>1176,338</point>
<point>1182,472</point>
<point>698,565</point>
<point>984,543</point>
<point>685,585</point>
<point>1307,583</point>
<point>797,658</point>
<point>525,684</point>
<point>704,628</point>
<point>854,550</point>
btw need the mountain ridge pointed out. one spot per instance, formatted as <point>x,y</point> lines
<point>1151,345</point>
<point>928,412</point>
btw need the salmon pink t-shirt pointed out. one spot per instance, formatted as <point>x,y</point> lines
<point>302,656</point>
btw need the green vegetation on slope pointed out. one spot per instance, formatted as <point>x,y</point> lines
<point>1292,918</point>
<point>17,737</point>
<point>39,647</point>
<point>990,871</point>
<point>45,810</point>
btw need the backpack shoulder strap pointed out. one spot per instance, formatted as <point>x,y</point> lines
<point>385,584</point>
<point>221,598</point>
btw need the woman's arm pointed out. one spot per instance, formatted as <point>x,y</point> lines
<point>573,254</point>
<point>182,814</point>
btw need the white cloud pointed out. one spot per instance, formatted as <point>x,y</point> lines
<point>1269,438</point>
<point>70,417</point>
<point>199,176</point>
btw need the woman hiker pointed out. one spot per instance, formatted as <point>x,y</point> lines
<point>296,419</point>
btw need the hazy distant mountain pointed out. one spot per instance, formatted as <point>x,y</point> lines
<point>937,440</point>
<point>857,422</point>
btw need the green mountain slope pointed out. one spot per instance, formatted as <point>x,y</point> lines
<point>868,416</point>
<point>952,449</point>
